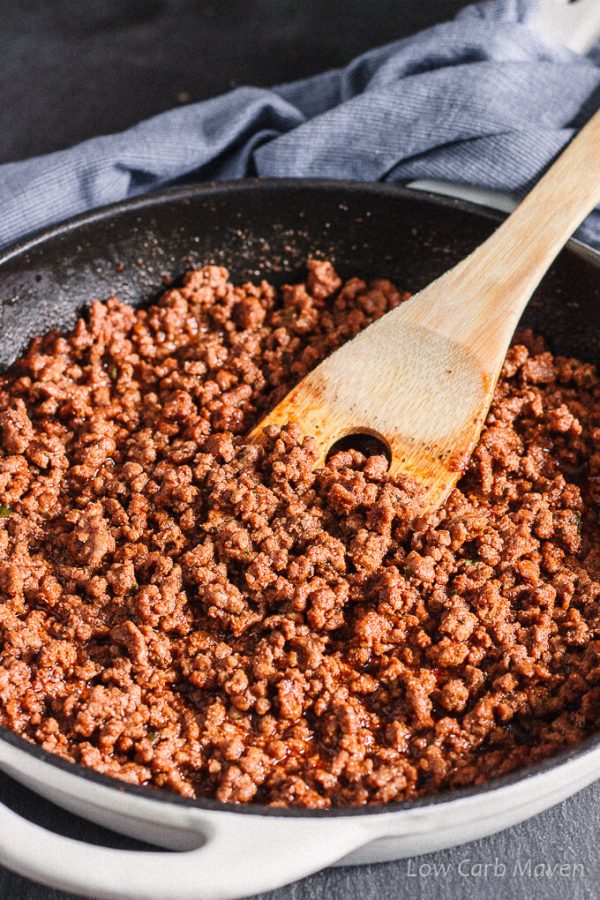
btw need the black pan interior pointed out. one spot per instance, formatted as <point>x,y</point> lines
<point>268,229</point>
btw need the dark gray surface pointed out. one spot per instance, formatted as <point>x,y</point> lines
<point>72,69</point>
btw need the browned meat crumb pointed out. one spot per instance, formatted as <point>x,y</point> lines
<point>178,608</point>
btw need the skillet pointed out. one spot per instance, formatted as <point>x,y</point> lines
<point>261,229</point>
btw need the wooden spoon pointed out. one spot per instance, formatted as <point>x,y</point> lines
<point>422,377</point>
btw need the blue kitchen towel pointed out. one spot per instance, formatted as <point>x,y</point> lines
<point>483,100</point>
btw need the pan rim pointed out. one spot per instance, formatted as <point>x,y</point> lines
<point>181,194</point>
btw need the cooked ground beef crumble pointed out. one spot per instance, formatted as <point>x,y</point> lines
<point>182,609</point>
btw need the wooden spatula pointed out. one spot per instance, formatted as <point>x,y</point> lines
<point>421,378</point>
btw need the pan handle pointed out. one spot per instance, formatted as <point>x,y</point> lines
<point>241,855</point>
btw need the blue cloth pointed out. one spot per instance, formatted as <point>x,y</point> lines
<point>483,100</point>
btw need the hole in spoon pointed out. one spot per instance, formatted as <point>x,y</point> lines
<point>367,444</point>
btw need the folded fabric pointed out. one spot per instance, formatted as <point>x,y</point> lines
<point>483,100</point>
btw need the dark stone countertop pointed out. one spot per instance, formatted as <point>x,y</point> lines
<point>71,70</point>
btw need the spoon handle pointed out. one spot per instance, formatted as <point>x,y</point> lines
<point>479,301</point>
<point>556,206</point>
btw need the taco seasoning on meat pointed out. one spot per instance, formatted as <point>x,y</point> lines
<point>181,609</point>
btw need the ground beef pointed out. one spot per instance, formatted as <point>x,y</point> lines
<point>182,609</point>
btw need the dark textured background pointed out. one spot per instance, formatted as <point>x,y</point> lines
<point>70,69</point>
